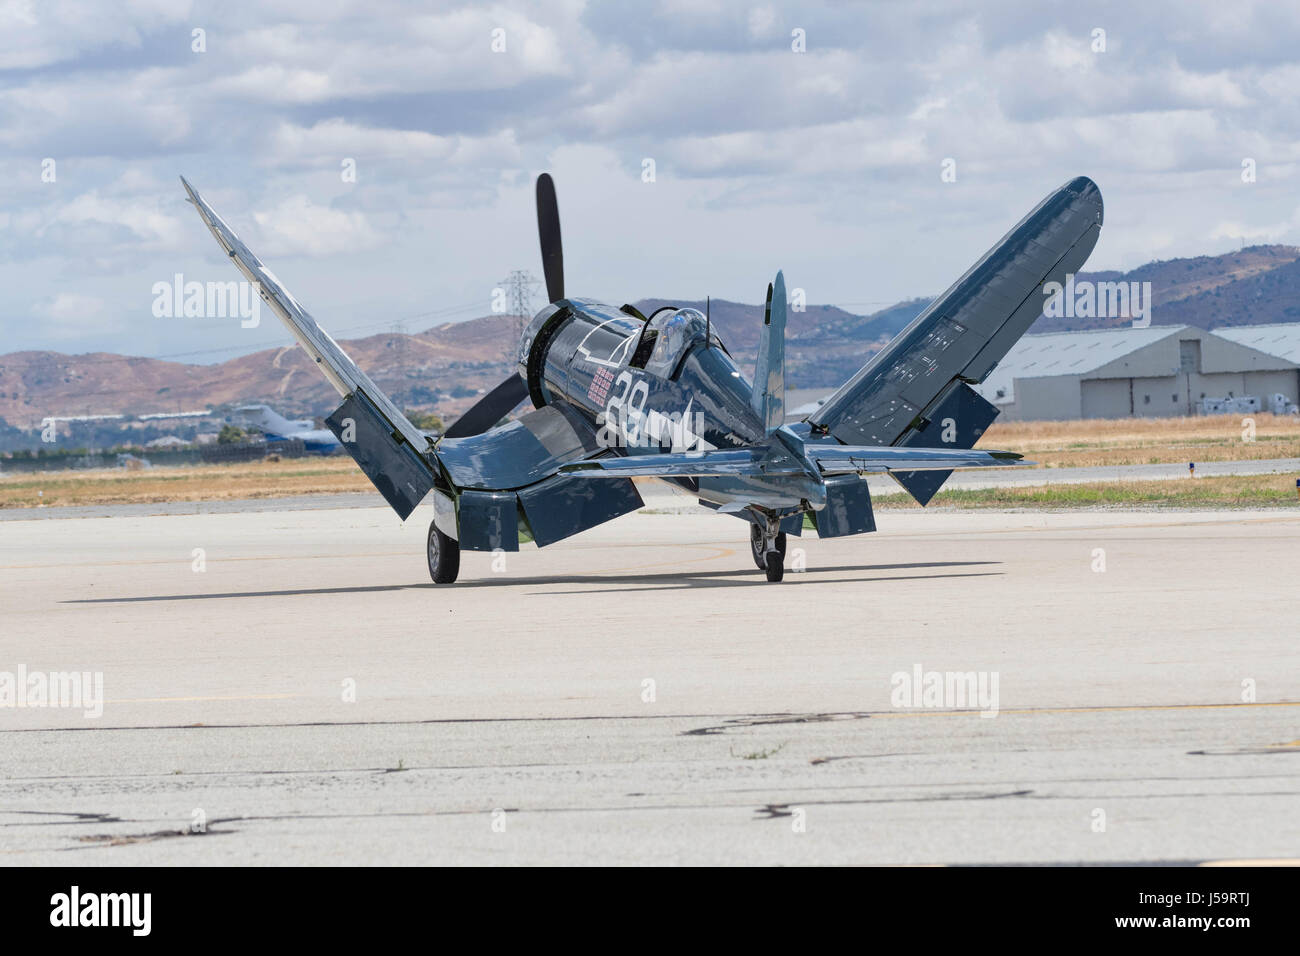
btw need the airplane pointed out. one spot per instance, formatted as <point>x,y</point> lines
<point>278,428</point>
<point>618,395</point>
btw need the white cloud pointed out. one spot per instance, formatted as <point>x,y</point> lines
<point>299,227</point>
<point>67,316</point>
<point>325,142</point>
<point>143,219</point>
<point>71,306</point>
<point>826,162</point>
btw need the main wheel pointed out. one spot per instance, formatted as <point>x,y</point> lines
<point>756,546</point>
<point>775,566</point>
<point>444,556</point>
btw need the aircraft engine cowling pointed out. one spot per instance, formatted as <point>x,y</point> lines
<point>570,329</point>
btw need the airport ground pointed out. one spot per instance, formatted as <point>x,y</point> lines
<point>281,673</point>
<point>1262,458</point>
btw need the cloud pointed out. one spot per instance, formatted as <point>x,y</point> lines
<point>143,220</point>
<point>324,143</point>
<point>299,227</point>
<point>71,306</point>
<point>826,161</point>
<point>72,316</point>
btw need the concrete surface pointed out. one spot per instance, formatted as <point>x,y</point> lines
<point>511,718</point>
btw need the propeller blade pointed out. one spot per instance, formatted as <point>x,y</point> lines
<point>548,230</point>
<point>489,409</point>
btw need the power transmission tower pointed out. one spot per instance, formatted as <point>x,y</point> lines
<point>519,286</point>
<point>398,332</point>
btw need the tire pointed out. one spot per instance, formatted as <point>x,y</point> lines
<point>756,546</point>
<point>775,566</point>
<point>444,556</point>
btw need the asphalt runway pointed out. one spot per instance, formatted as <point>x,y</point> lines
<point>639,694</point>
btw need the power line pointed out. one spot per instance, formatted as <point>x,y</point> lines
<point>447,312</point>
<point>519,286</point>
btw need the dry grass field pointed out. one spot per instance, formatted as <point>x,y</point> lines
<point>1229,491</point>
<point>103,486</point>
<point>1147,441</point>
<point>1050,444</point>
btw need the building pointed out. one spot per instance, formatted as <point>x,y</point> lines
<point>1160,371</point>
<point>1282,340</point>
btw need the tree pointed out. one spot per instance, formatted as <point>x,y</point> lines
<point>230,435</point>
<point>426,421</point>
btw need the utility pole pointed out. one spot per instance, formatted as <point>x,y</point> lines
<point>519,286</point>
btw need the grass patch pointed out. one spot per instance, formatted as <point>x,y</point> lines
<point>264,479</point>
<point>1229,491</point>
<point>1150,441</point>
<point>759,754</point>
<point>1051,444</point>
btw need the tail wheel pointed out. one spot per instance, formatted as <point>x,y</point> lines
<point>444,556</point>
<point>775,566</point>
<point>758,551</point>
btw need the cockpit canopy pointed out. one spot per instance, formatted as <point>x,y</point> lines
<point>667,336</point>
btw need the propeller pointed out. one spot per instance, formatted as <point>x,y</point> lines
<point>548,231</point>
<point>499,402</point>
<point>490,409</point>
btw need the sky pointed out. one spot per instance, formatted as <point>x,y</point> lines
<point>380,156</point>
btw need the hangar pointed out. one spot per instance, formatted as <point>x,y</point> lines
<point>1159,371</point>
<point>1281,339</point>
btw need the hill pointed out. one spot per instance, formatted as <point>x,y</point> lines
<point>445,368</point>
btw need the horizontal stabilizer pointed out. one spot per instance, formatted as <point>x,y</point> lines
<point>760,463</point>
<point>687,464</point>
<point>868,459</point>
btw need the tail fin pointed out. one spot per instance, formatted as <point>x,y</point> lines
<point>261,416</point>
<point>768,397</point>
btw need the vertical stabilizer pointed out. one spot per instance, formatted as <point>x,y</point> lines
<point>768,398</point>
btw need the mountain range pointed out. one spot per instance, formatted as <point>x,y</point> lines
<point>445,368</point>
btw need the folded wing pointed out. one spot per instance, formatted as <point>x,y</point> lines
<point>333,362</point>
<point>967,330</point>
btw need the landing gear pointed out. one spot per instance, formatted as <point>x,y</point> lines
<point>444,556</point>
<point>759,550</point>
<point>767,545</point>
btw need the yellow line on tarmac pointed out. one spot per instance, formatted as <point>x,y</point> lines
<point>185,559</point>
<point>1251,862</point>
<point>174,700</point>
<point>920,712</point>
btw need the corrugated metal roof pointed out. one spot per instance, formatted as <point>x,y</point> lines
<point>1282,340</point>
<point>1065,353</point>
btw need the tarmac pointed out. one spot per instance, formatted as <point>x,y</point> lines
<point>282,685</point>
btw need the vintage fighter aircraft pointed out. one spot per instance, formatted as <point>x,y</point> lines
<point>618,395</point>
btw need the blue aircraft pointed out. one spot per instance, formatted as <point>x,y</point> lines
<point>618,395</point>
